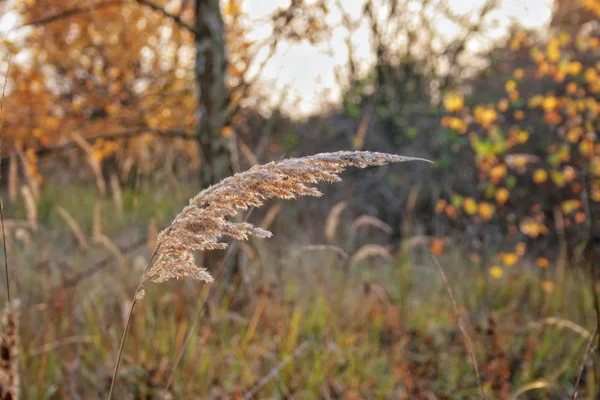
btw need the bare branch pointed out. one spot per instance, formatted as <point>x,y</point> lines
<point>173,17</point>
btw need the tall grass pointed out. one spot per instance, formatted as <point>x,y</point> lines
<point>204,222</point>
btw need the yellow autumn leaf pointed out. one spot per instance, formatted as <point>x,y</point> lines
<point>508,259</point>
<point>440,205</point>
<point>540,176</point>
<point>569,206</point>
<point>510,85</point>
<point>549,103</point>
<point>522,136</point>
<point>586,147</point>
<point>486,210</point>
<point>498,172</point>
<point>496,272</point>
<point>226,131</point>
<point>532,228</point>
<point>470,206</point>
<point>454,102</point>
<point>502,195</point>
<point>518,73</point>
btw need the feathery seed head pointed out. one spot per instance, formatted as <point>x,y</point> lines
<point>202,224</point>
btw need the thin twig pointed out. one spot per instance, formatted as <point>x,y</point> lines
<point>129,317</point>
<point>200,308</point>
<point>114,377</point>
<point>468,341</point>
<point>1,202</point>
<point>5,253</point>
<point>173,17</point>
<point>275,371</point>
<point>586,355</point>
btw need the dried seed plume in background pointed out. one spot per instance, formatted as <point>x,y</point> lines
<point>333,219</point>
<point>201,225</point>
<point>9,353</point>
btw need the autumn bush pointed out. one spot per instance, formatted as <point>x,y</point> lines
<point>533,145</point>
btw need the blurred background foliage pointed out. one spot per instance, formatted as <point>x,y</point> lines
<point>150,101</point>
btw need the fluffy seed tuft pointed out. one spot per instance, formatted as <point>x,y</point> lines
<point>204,222</point>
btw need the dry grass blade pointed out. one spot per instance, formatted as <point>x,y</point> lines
<point>321,247</point>
<point>104,241</point>
<point>588,351</point>
<point>9,353</point>
<point>537,385</point>
<point>273,373</point>
<point>117,194</point>
<point>13,178</point>
<point>74,226</point>
<point>247,153</point>
<point>333,219</point>
<point>29,169</point>
<point>468,341</point>
<point>5,250</point>
<point>30,206</point>
<point>562,324</point>
<point>367,220</point>
<point>270,216</point>
<point>92,161</point>
<point>152,234</point>
<point>97,222</point>
<point>369,250</point>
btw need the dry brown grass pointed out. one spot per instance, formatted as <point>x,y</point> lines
<point>9,353</point>
<point>202,225</point>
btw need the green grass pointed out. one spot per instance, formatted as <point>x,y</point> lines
<point>380,331</point>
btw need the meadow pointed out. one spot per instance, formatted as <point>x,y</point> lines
<point>305,319</point>
<point>149,149</point>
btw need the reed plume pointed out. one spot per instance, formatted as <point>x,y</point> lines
<point>202,224</point>
<point>9,353</point>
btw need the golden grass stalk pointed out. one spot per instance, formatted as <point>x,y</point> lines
<point>247,153</point>
<point>92,160</point>
<point>270,216</point>
<point>74,226</point>
<point>9,353</point>
<point>33,180</point>
<point>117,194</point>
<point>97,221</point>
<point>321,247</point>
<point>152,234</point>
<point>367,220</point>
<point>333,220</point>
<point>202,224</point>
<point>13,178</point>
<point>367,251</point>
<point>30,206</point>
<point>104,241</point>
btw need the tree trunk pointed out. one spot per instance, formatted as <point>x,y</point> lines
<point>217,151</point>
